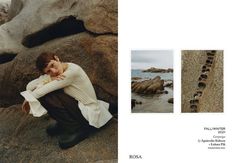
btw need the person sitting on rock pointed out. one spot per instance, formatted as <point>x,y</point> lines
<point>67,95</point>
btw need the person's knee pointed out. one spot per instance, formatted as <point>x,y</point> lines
<point>52,96</point>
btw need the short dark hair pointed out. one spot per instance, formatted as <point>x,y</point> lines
<point>43,60</point>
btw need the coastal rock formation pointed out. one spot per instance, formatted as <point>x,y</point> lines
<point>82,49</point>
<point>202,81</point>
<point>136,78</point>
<point>171,100</point>
<point>78,31</point>
<point>4,8</point>
<point>169,84</point>
<point>152,86</point>
<point>32,21</point>
<point>83,32</point>
<point>134,102</point>
<point>23,139</point>
<point>158,70</point>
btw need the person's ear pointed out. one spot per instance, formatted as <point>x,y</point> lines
<point>56,58</point>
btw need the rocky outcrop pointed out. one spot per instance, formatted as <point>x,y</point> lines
<point>136,78</point>
<point>158,70</point>
<point>202,81</point>
<point>134,102</point>
<point>4,8</point>
<point>82,32</point>
<point>30,17</point>
<point>16,7</point>
<point>96,55</point>
<point>23,139</point>
<point>169,84</point>
<point>152,86</point>
<point>171,100</point>
<point>78,31</point>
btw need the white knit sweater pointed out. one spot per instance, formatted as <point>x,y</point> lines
<point>76,84</point>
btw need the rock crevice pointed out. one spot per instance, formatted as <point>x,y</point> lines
<point>65,27</point>
<point>7,57</point>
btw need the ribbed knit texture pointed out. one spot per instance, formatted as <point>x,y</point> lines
<point>76,84</point>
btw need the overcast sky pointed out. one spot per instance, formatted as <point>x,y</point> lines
<point>143,59</point>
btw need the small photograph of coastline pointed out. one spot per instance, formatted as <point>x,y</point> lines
<point>202,81</point>
<point>152,81</point>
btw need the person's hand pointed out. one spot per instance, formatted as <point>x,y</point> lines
<point>59,77</point>
<point>25,107</point>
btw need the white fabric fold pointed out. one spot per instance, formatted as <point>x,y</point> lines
<point>96,114</point>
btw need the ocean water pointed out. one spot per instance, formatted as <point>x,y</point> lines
<point>149,75</point>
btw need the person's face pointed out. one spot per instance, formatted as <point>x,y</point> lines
<point>54,68</point>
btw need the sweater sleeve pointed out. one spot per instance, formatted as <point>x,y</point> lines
<point>43,79</point>
<point>32,85</point>
<point>69,74</point>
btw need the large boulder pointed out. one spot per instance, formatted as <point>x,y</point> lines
<point>82,32</point>
<point>151,86</point>
<point>23,139</point>
<point>31,16</point>
<point>4,8</point>
<point>96,55</point>
<point>15,8</point>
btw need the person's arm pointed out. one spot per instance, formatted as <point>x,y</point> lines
<point>32,85</point>
<point>43,79</point>
<point>30,104</point>
<point>69,76</point>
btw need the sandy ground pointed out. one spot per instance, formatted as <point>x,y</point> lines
<point>154,104</point>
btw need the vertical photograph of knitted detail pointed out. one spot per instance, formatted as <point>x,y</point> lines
<point>152,81</point>
<point>202,81</point>
<point>58,81</point>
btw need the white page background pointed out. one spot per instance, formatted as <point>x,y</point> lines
<point>177,25</point>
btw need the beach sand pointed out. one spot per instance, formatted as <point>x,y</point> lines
<point>154,104</point>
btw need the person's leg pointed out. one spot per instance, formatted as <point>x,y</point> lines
<point>64,109</point>
<point>113,109</point>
